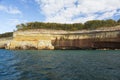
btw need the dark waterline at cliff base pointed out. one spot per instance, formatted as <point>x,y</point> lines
<point>59,64</point>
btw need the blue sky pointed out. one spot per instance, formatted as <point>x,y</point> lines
<point>13,12</point>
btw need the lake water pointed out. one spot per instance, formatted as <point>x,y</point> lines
<point>59,65</point>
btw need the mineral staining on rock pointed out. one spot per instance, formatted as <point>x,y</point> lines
<point>57,39</point>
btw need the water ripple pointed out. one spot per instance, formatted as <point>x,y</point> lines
<point>59,65</point>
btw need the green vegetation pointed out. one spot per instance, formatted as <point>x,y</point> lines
<point>99,23</point>
<point>8,34</point>
<point>89,25</point>
<point>56,26</point>
<point>118,21</point>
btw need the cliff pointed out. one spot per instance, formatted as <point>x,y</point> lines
<point>5,42</point>
<point>59,39</point>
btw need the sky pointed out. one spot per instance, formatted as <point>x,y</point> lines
<point>13,12</point>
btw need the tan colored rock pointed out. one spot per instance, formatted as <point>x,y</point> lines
<point>57,39</point>
<point>45,44</point>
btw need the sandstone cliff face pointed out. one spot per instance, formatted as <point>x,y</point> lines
<point>50,39</point>
<point>5,42</point>
<point>31,40</point>
<point>89,40</point>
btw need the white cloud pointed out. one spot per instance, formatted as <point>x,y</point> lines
<point>65,11</point>
<point>14,22</point>
<point>10,9</point>
<point>11,23</point>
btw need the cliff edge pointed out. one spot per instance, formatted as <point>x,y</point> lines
<point>60,39</point>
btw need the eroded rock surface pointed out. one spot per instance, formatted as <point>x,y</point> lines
<point>50,39</point>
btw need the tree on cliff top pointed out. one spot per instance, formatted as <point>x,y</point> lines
<point>8,34</point>
<point>118,21</point>
<point>93,24</point>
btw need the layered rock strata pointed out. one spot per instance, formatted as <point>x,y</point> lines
<point>57,39</point>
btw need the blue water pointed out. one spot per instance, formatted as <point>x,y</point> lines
<point>59,65</point>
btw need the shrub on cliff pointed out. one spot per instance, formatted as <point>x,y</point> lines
<point>8,34</point>
<point>118,22</point>
<point>109,23</point>
<point>56,26</point>
<point>93,24</point>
